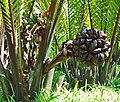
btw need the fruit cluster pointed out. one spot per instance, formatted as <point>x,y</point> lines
<point>90,47</point>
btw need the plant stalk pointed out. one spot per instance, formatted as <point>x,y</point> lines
<point>12,25</point>
<point>108,75</point>
<point>89,8</point>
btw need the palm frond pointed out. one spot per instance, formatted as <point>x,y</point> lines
<point>16,11</point>
<point>43,5</point>
<point>62,25</point>
<point>109,70</point>
<point>8,20</point>
<point>99,13</point>
<point>6,14</point>
<point>112,11</point>
<point>104,14</point>
<point>75,8</point>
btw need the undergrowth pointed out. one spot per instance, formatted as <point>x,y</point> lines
<point>97,94</point>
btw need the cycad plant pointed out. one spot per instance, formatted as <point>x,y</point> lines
<point>99,14</point>
<point>26,39</point>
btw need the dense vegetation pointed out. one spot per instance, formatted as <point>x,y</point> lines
<point>51,45</point>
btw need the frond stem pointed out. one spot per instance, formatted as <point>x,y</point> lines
<point>91,23</point>
<point>12,24</point>
<point>54,23</point>
<point>113,41</point>
<point>83,12</point>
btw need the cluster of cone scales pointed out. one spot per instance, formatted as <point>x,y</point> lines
<point>90,47</point>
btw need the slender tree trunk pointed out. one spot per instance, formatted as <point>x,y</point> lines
<point>48,80</point>
<point>59,82</point>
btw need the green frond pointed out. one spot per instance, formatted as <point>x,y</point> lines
<point>16,10</point>
<point>104,14</point>
<point>43,5</point>
<point>112,12</point>
<point>6,13</point>
<point>99,10</point>
<point>75,8</point>
<point>62,26</point>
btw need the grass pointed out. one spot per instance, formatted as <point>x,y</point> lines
<point>115,83</point>
<point>97,94</point>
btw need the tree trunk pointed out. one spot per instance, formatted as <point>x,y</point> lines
<point>59,82</point>
<point>48,79</point>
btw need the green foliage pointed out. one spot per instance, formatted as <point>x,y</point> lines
<point>75,19</point>
<point>112,10</point>
<point>104,14</point>
<point>115,84</point>
<point>99,13</point>
<point>97,94</point>
<point>45,96</point>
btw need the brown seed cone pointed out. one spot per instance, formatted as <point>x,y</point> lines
<point>89,46</point>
